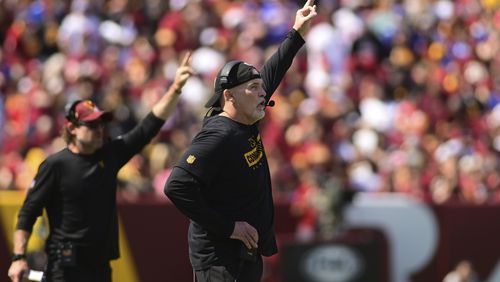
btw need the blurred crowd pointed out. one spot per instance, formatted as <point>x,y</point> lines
<point>387,96</point>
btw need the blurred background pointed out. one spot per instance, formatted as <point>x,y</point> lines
<point>383,145</point>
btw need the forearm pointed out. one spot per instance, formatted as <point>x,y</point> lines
<point>277,65</point>
<point>164,108</point>
<point>131,143</point>
<point>300,30</point>
<point>21,238</point>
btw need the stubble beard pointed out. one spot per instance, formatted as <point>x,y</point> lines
<point>259,114</point>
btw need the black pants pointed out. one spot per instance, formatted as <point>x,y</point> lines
<point>243,272</point>
<point>79,273</point>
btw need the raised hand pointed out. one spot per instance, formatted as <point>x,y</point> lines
<point>303,17</point>
<point>163,108</point>
<point>184,72</point>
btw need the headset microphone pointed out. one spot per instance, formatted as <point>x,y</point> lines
<point>270,103</point>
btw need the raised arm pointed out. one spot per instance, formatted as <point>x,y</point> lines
<point>134,141</point>
<point>278,64</point>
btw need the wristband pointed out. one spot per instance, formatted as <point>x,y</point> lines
<point>16,257</point>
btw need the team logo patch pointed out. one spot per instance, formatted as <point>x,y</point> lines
<point>254,156</point>
<point>191,159</point>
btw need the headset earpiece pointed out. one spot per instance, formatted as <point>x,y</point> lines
<point>226,71</point>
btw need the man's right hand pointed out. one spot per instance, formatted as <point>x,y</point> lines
<point>246,234</point>
<point>18,269</point>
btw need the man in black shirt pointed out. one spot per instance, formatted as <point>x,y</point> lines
<point>77,187</point>
<point>222,182</point>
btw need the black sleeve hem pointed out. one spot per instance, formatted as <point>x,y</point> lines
<point>152,123</point>
<point>296,37</point>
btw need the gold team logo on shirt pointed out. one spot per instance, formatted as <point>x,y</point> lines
<point>190,159</point>
<point>254,156</point>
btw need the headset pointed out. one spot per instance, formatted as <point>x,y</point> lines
<point>226,70</point>
<point>69,111</point>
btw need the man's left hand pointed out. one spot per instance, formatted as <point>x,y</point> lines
<point>303,17</point>
<point>184,72</point>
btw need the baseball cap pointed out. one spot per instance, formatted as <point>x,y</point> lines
<point>232,74</point>
<point>86,111</point>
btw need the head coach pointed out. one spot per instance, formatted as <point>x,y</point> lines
<point>222,182</point>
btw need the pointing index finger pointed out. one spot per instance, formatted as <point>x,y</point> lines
<point>308,3</point>
<point>186,59</point>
